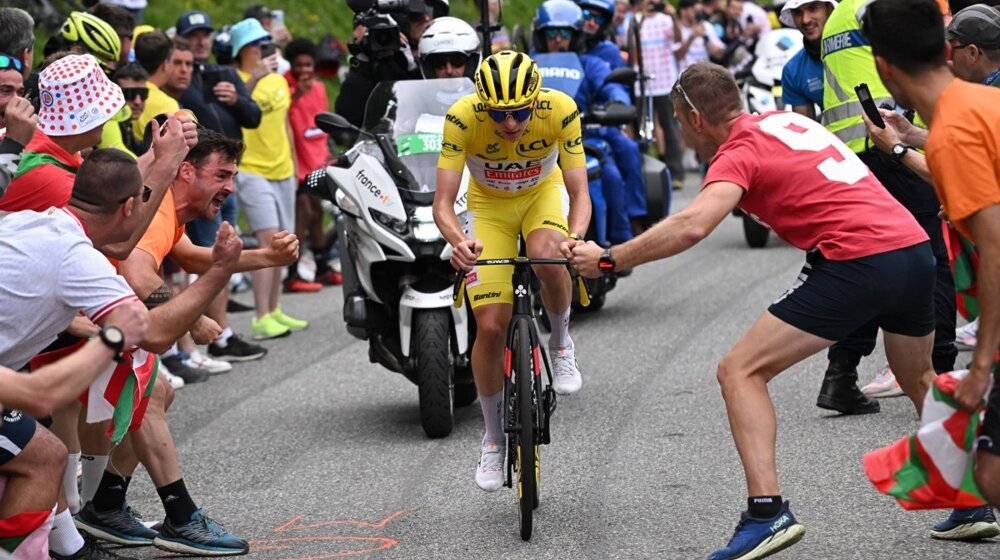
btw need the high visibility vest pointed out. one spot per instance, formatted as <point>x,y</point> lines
<point>848,62</point>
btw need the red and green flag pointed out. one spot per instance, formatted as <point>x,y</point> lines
<point>932,469</point>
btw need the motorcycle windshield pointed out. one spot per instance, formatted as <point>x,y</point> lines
<point>412,112</point>
<point>561,71</point>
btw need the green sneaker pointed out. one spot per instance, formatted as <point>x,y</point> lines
<point>268,326</point>
<point>290,322</point>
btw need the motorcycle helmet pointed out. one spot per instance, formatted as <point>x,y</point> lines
<point>222,46</point>
<point>557,14</point>
<point>508,80</point>
<point>448,35</point>
<point>600,8</point>
<point>99,38</point>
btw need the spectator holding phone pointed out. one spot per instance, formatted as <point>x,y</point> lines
<point>311,152</point>
<point>221,102</point>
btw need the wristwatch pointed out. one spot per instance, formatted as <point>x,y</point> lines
<point>606,263</point>
<point>114,338</point>
<point>899,152</point>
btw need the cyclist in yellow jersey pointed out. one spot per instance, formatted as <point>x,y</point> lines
<point>521,144</point>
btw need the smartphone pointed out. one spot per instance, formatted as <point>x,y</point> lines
<point>277,19</point>
<point>268,48</point>
<point>209,78</point>
<point>868,105</point>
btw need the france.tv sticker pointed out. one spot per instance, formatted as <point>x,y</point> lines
<point>46,98</point>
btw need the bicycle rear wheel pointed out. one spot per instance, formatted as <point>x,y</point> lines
<point>527,448</point>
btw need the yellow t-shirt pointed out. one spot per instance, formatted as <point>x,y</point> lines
<point>268,151</point>
<point>551,140</point>
<point>157,103</point>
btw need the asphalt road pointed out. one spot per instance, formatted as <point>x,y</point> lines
<point>315,453</point>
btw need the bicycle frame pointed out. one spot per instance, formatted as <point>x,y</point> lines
<point>517,397</point>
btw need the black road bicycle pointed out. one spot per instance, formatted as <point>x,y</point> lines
<point>528,403</point>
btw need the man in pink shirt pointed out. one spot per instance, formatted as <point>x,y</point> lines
<point>868,261</point>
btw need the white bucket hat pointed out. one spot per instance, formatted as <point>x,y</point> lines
<point>76,96</point>
<point>786,10</point>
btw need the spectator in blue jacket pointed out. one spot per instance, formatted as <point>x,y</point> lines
<point>597,22</point>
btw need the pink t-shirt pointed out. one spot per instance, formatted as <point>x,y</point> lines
<point>810,188</point>
<point>656,36</point>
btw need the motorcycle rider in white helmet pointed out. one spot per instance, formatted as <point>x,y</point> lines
<point>449,48</point>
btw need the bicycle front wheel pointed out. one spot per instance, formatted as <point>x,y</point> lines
<point>527,449</point>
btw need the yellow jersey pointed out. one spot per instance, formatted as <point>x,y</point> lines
<point>551,142</point>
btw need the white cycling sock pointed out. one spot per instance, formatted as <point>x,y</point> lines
<point>492,416</point>
<point>223,339</point>
<point>69,483</point>
<point>64,539</point>
<point>560,329</point>
<point>93,472</point>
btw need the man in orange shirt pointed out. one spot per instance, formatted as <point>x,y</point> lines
<point>908,41</point>
<point>203,182</point>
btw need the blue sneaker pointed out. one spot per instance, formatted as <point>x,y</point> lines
<point>122,526</point>
<point>201,537</point>
<point>967,524</point>
<point>757,538</point>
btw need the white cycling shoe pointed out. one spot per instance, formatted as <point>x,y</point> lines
<point>489,472</point>
<point>566,378</point>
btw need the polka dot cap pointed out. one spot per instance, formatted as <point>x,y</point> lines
<point>76,96</point>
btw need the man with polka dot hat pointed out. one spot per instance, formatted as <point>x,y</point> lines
<point>76,100</point>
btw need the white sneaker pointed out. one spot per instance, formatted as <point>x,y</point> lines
<point>883,386</point>
<point>489,472</point>
<point>175,381</point>
<point>566,378</point>
<point>965,336</point>
<point>201,361</point>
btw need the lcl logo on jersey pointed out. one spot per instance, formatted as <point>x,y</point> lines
<point>534,146</point>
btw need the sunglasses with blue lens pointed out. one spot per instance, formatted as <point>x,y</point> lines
<point>564,32</point>
<point>7,62</point>
<point>598,18</point>
<point>519,115</point>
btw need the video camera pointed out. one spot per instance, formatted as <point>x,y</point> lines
<point>384,20</point>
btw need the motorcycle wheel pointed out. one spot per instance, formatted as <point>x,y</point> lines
<point>434,371</point>
<point>756,234</point>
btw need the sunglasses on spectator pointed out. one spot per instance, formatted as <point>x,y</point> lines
<point>441,60</point>
<point>7,62</point>
<point>519,115</point>
<point>598,18</point>
<point>131,92</point>
<point>563,32</point>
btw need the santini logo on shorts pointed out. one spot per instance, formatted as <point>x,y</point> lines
<point>487,295</point>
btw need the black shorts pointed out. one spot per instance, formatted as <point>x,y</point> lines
<point>17,430</point>
<point>831,299</point>
<point>989,438</point>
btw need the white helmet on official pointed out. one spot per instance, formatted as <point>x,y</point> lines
<point>448,35</point>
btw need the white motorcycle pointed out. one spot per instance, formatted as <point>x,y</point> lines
<point>397,276</point>
<point>761,90</point>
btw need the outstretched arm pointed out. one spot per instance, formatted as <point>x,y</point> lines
<point>668,237</point>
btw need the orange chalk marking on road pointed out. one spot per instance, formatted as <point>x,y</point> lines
<point>291,524</point>
<point>370,544</point>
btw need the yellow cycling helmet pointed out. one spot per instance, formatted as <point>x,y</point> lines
<point>96,35</point>
<point>508,80</point>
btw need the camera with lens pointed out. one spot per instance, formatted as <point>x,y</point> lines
<point>384,21</point>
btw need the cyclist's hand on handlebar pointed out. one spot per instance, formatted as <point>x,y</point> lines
<point>584,256</point>
<point>464,255</point>
<point>566,247</point>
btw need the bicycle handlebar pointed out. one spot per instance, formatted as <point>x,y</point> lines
<point>518,262</point>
